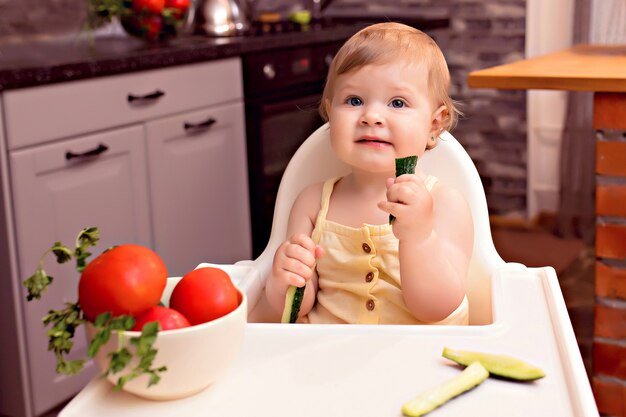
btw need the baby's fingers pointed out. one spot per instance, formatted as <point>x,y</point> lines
<point>303,240</point>
<point>391,208</point>
<point>302,250</point>
<point>319,252</point>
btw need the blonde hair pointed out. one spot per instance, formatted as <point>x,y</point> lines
<point>383,42</point>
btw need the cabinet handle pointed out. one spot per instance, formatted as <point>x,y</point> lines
<point>93,152</point>
<point>147,97</point>
<point>203,125</point>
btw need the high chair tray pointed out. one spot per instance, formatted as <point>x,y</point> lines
<point>365,370</point>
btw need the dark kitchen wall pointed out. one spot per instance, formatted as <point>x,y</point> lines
<point>25,19</point>
<point>481,33</point>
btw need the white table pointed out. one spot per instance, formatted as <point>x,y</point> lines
<point>365,370</point>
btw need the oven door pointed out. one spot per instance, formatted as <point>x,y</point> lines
<point>275,130</point>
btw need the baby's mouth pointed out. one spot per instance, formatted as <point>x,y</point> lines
<point>373,140</point>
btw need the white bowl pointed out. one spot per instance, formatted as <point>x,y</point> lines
<point>195,356</point>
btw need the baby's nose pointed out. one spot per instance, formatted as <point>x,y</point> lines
<point>371,117</point>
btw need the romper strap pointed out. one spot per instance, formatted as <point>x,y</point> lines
<point>327,190</point>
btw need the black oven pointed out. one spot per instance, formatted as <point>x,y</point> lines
<point>282,90</point>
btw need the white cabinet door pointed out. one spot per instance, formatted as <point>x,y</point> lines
<point>54,198</point>
<point>199,187</point>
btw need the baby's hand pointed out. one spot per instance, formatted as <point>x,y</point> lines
<point>294,262</point>
<point>412,206</point>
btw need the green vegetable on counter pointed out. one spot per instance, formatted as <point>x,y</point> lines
<point>426,402</point>
<point>404,166</point>
<point>293,301</point>
<point>500,365</point>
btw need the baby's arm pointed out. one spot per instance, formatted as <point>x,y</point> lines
<point>436,236</point>
<point>295,259</point>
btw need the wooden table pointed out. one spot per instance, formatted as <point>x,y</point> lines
<point>602,70</point>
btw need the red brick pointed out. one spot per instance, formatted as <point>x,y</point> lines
<point>611,158</point>
<point>609,359</point>
<point>610,281</point>
<point>610,322</point>
<point>609,111</point>
<point>610,397</point>
<point>611,200</point>
<point>611,241</point>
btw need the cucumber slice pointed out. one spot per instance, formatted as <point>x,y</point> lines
<point>426,402</point>
<point>293,301</point>
<point>501,365</point>
<point>404,166</point>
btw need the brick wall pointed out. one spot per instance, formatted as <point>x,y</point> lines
<point>482,33</point>
<point>494,127</point>
<point>609,345</point>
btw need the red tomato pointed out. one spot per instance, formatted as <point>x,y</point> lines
<point>150,27</point>
<point>168,318</point>
<point>181,5</point>
<point>152,6</point>
<point>204,294</point>
<point>128,279</point>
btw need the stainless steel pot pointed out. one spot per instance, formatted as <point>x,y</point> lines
<point>221,17</point>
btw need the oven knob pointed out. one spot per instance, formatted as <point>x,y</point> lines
<point>269,71</point>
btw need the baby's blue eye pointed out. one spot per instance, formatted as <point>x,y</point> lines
<point>397,103</point>
<point>354,101</point>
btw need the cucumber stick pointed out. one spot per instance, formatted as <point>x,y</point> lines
<point>404,166</point>
<point>426,402</point>
<point>501,365</point>
<point>293,301</point>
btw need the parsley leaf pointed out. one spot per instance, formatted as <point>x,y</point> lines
<point>144,349</point>
<point>37,283</point>
<point>60,336</point>
<point>63,253</point>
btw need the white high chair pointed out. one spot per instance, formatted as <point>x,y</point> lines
<point>514,310</point>
<point>315,162</point>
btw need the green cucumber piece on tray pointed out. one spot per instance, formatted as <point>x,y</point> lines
<point>430,399</point>
<point>404,165</point>
<point>500,365</point>
<point>293,301</point>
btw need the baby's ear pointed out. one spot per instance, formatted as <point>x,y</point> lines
<point>439,120</point>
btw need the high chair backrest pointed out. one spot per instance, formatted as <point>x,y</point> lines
<point>315,162</point>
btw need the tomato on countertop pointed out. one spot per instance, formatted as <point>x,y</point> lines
<point>204,294</point>
<point>179,7</point>
<point>127,279</point>
<point>178,4</point>
<point>152,6</point>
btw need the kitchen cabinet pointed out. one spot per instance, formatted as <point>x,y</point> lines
<point>53,199</point>
<point>156,158</point>
<point>191,157</point>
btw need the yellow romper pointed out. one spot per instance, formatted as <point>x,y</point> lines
<point>359,275</point>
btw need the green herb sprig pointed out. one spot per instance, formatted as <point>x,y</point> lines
<point>64,322</point>
<point>60,336</point>
<point>38,283</point>
<point>121,358</point>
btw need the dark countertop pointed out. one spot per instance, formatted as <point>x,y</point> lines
<point>27,64</point>
<point>52,61</point>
